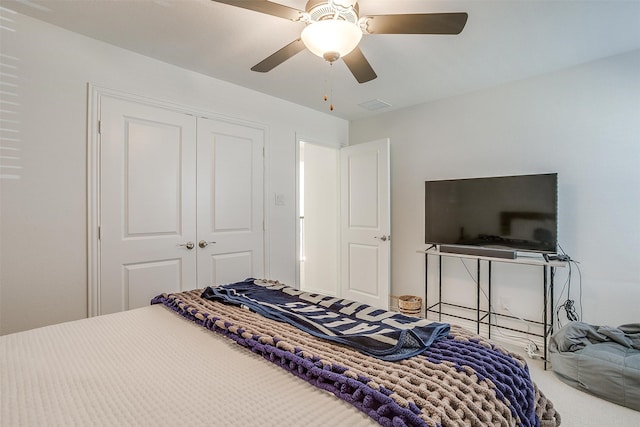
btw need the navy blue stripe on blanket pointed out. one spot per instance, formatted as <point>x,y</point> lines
<point>379,333</point>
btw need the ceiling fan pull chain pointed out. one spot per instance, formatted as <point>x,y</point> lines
<point>330,86</point>
<point>325,90</point>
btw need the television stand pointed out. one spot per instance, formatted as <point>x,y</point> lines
<point>482,316</point>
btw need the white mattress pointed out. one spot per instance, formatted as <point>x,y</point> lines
<point>149,366</point>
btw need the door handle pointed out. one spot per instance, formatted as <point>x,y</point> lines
<point>188,245</point>
<point>203,244</point>
<point>383,238</point>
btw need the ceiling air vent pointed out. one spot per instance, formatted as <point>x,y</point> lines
<point>375,104</point>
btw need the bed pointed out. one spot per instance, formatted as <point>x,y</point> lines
<point>178,362</point>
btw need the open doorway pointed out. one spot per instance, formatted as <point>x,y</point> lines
<point>318,218</point>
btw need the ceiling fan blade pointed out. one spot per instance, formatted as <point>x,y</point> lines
<point>279,57</point>
<point>421,23</point>
<point>359,66</point>
<point>264,6</point>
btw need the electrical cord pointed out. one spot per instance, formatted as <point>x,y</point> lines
<point>569,309</point>
<point>569,304</point>
<point>565,287</point>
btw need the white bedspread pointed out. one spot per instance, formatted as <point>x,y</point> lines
<point>151,367</point>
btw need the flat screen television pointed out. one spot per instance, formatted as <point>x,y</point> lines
<point>517,213</point>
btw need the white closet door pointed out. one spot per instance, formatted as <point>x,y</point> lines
<point>230,202</point>
<point>147,204</point>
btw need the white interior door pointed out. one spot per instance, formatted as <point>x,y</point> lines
<point>365,223</point>
<point>230,202</point>
<point>147,203</point>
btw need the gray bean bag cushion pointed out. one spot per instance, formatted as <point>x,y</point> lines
<point>600,360</point>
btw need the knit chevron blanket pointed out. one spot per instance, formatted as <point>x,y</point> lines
<point>373,331</point>
<point>460,380</point>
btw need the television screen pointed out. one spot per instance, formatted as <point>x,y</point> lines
<point>511,212</point>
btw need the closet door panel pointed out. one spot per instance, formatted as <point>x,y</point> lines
<point>231,184</point>
<point>143,281</point>
<point>227,267</point>
<point>230,202</point>
<point>147,203</point>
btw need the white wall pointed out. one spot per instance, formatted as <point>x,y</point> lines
<point>583,123</point>
<point>43,252</point>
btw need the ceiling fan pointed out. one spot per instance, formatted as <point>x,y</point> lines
<point>334,29</point>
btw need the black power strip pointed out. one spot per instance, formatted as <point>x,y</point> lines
<point>563,257</point>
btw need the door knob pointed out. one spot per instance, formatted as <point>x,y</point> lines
<point>203,244</point>
<point>188,245</point>
<point>383,238</point>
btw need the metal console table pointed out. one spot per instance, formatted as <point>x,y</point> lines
<point>482,316</point>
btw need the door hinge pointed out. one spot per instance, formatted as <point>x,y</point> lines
<point>99,232</point>
<point>99,127</point>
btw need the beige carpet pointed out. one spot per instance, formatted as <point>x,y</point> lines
<point>578,409</point>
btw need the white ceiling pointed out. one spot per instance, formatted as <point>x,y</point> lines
<point>503,41</point>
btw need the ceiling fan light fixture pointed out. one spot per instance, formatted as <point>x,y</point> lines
<point>331,38</point>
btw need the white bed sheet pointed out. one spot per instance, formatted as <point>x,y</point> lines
<point>149,366</point>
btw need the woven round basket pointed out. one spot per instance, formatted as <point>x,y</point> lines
<point>410,304</point>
